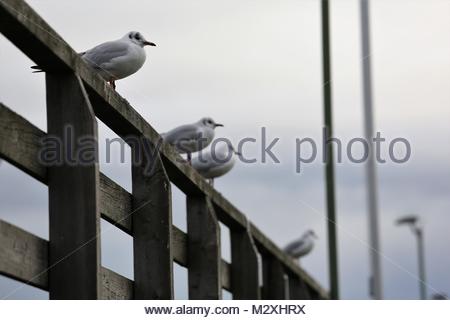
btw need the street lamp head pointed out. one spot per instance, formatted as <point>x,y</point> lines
<point>414,223</point>
<point>411,220</point>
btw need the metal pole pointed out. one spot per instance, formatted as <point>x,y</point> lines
<point>376,289</point>
<point>328,148</point>
<point>421,256</point>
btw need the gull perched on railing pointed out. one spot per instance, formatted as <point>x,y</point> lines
<point>117,59</point>
<point>301,246</point>
<point>192,137</point>
<point>215,162</point>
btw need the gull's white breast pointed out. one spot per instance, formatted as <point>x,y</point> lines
<point>124,66</point>
<point>212,167</point>
<point>189,138</point>
<point>300,247</point>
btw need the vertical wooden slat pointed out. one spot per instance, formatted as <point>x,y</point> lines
<point>274,286</point>
<point>152,224</point>
<point>244,266</point>
<point>314,295</point>
<point>73,192</point>
<point>297,288</point>
<point>204,257</point>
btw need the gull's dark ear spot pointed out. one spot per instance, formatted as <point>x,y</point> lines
<point>130,36</point>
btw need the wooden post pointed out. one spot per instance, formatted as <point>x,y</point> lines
<point>297,288</point>
<point>244,266</point>
<point>152,224</point>
<point>274,287</point>
<point>204,257</point>
<point>73,180</point>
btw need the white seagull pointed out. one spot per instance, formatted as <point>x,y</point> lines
<point>215,162</point>
<point>117,59</point>
<point>301,246</point>
<point>193,137</point>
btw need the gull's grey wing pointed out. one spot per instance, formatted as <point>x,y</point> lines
<point>105,52</point>
<point>185,132</point>
<point>293,246</point>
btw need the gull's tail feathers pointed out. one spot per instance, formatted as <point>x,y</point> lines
<point>37,69</point>
<point>40,69</point>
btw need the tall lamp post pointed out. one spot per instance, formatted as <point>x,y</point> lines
<point>376,288</point>
<point>417,229</point>
<point>329,165</point>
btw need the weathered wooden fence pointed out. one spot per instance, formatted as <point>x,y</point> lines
<point>68,265</point>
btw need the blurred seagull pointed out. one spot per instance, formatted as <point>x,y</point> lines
<point>302,246</point>
<point>117,59</point>
<point>216,162</point>
<point>193,137</point>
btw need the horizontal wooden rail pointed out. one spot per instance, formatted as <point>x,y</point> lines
<point>30,33</point>
<point>24,257</point>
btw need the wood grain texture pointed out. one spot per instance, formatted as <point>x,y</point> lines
<point>23,256</point>
<point>20,143</point>
<point>115,204</point>
<point>226,275</point>
<point>115,286</point>
<point>73,187</point>
<point>274,282</point>
<point>297,288</point>
<point>244,266</point>
<point>152,224</point>
<point>205,263</point>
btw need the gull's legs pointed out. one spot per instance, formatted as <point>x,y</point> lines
<point>189,157</point>
<point>112,84</point>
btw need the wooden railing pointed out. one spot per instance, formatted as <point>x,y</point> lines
<point>68,265</point>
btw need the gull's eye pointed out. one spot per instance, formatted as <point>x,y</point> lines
<point>137,36</point>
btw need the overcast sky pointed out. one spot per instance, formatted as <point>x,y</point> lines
<point>250,64</point>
